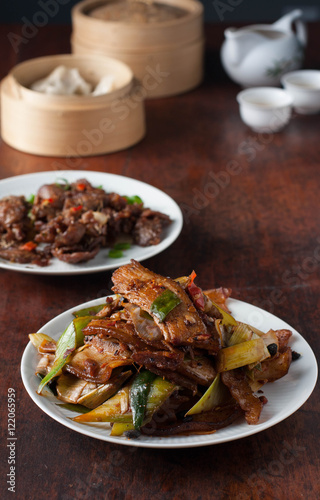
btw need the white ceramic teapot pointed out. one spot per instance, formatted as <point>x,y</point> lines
<point>260,54</point>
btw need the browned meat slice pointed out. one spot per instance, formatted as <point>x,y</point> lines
<point>14,220</point>
<point>96,361</point>
<point>14,254</point>
<point>163,360</point>
<point>283,337</point>
<point>144,324</point>
<point>239,388</point>
<point>22,256</point>
<point>74,256</point>
<point>71,236</point>
<point>182,325</point>
<point>149,227</point>
<point>83,194</point>
<point>202,423</point>
<point>121,330</point>
<point>124,220</point>
<point>95,223</point>
<point>200,369</point>
<point>219,296</point>
<point>274,368</point>
<point>48,201</point>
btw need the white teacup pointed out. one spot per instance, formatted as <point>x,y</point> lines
<point>265,109</point>
<point>304,88</point>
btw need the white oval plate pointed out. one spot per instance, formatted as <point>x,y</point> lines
<point>284,396</point>
<point>26,185</point>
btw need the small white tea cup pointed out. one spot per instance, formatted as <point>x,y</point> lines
<point>304,88</point>
<point>265,109</point>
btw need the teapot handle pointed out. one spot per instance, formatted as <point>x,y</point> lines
<point>301,32</point>
<point>284,24</point>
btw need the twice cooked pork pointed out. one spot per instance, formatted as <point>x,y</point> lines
<point>182,325</point>
<point>157,348</point>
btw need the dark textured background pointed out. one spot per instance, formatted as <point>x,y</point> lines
<point>14,11</point>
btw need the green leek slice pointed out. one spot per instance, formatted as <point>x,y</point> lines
<point>163,304</point>
<point>71,339</point>
<point>213,397</point>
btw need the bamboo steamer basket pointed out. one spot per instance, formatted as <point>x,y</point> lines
<point>166,57</point>
<point>71,126</point>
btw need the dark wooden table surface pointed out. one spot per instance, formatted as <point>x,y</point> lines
<point>257,231</point>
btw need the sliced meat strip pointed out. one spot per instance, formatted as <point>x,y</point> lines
<point>95,362</point>
<point>73,256</point>
<point>161,359</point>
<point>283,337</point>
<point>182,325</point>
<point>149,227</point>
<point>239,388</point>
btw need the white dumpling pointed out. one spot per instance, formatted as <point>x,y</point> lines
<point>105,85</point>
<point>63,81</point>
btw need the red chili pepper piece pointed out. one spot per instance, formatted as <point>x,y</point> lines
<point>47,200</point>
<point>76,209</point>
<point>29,246</point>
<point>193,276</point>
<point>197,295</point>
<point>81,187</point>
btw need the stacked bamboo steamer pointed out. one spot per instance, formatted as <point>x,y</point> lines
<point>166,57</point>
<point>70,125</point>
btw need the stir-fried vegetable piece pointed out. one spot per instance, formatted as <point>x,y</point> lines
<point>242,333</point>
<point>216,394</point>
<point>139,391</point>
<point>227,320</point>
<point>118,429</point>
<point>245,353</point>
<point>116,409</point>
<point>163,304</point>
<point>71,338</point>
<point>103,392</point>
<point>88,311</point>
<point>160,390</point>
<point>39,338</point>
<point>69,387</point>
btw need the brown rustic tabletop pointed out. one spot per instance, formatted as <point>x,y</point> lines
<point>251,206</point>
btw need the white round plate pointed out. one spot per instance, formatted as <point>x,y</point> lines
<point>26,185</point>
<point>284,396</point>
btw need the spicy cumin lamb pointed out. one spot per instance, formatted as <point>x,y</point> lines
<point>72,222</point>
<point>162,357</point>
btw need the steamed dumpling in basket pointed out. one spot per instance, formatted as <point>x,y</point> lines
<point>68,81</point>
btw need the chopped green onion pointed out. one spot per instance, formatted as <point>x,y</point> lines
<point>115,254</point>
<point>65,185</point>
<point>133,199</point>
<point>163,304</point>
<point>31,198</point>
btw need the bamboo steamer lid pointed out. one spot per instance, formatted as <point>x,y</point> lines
<point>71,126</point>
<point>171,49</point>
